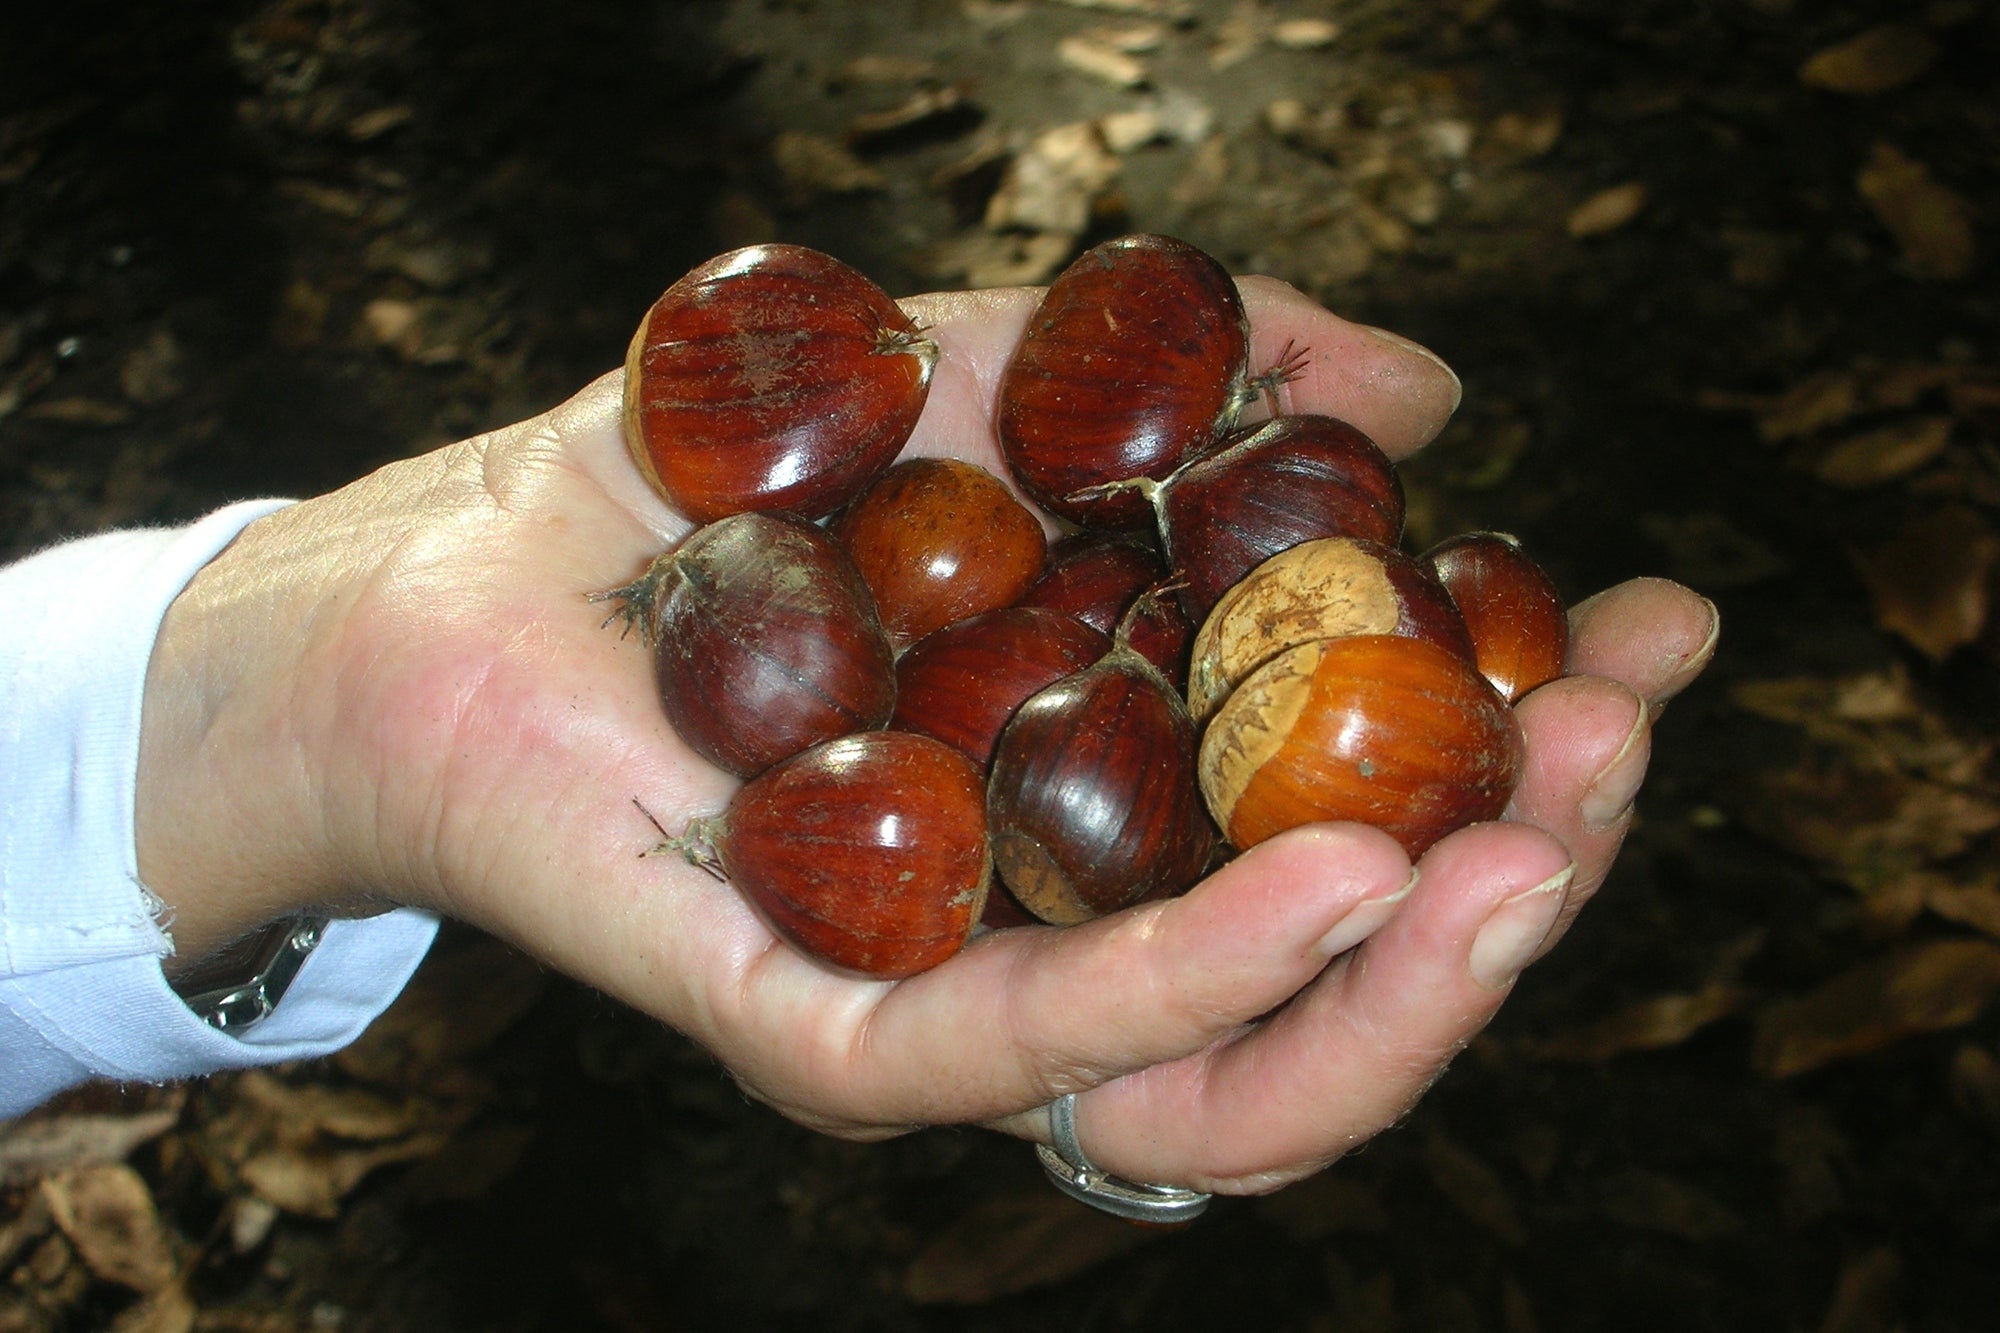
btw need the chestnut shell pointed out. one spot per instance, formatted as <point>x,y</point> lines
<point>1266,489</point>
<point>773,377</point>
<point>939,540</point>
<point>1517,620</point>
<point>1377,728</point>
<point>1091,803</point>
<point>868,851</point>
<point>1137,355</point>
<point>766,642</point>
<point>961,683</point>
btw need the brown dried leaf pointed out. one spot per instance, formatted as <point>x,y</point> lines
<point>1810,406</point>
<point>813,164</point>
<point>459,1002</point>
<point>79,411</point>
<point>1874,61</point>
<point>1053,185</point>
<point>1015,1243</point>
<point>108,1214</point>
<point>1926,987</point>
<point>1324,1205</point>
<point>995,259</point>
<point>1931,222</point>
<point>31,1149</point>
<point>313,1181</point>
<point>1975,1083</point>
<point>1101,61</point>
<point>922,105</point>
<point>1976,905</point>
<point>1928,581</point>
<point>1650,1025</point>
<point>1866,1298</point>
<point>1607,210</point>
<point>1872,827</point>
<point>1304,34</point>
<point>168,1310</point>
<point>1884,454</point>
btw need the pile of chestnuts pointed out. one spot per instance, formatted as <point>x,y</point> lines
<point>942,719</point>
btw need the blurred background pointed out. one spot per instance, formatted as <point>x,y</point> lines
<point>1719,280</point>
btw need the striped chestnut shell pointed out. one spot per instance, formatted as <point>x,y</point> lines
<point>774,378</point>
<point>1137,356</point>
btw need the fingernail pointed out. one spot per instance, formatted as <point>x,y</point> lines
<point>1364,919</point>
<point>1696,660</point>
<point>1400,343</point>
<point>1617,784</point>
<point>1508,940</point>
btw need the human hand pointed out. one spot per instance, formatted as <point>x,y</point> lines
<point>397,693</point>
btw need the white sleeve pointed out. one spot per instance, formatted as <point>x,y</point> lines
<point>81,991</point>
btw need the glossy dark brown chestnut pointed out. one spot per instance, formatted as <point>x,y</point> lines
<point>1376,728</point>
<point>939,540</point>
<point>1519,626</point>
<point>1321,589</point>
<point>868,852</point>
<point>1137,355</point>
<point>1268,488</point>
<point>1097,576</point>
<point>961,683</point>
<point>765,641</point>
<point>1091,804</point>
<point>772,378</point>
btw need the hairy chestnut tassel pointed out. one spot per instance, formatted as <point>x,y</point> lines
<point>1321,589</point>
<point>1091,803</point>
<point>961,683</point>
<point>1377,728</point>
<point>1137,355</point>
<point>1519,626</point>
<point>765,641</point>
<point>774,378</point>
<point>868,852</point>
<point>939,540</point>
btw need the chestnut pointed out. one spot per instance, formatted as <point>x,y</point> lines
<point>868,852</point>
<point>1517,620</point>
<point>1091,803</point>
<point>1320,589</point>
<point>1137,355</point>
<point>765,640</point>
<point>1097,576</point>
<point>939,540</point>
<point>1378,728</point>
<point>1266,489</point>
<point>775,378</point>
<point>961,683</point>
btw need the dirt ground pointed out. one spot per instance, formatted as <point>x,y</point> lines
<point>1718,280</point>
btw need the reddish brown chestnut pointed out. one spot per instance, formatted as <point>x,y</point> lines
<point>961,683</point>
<point>1320,589</point>
<point>774,378</point>
<point>868,852</point>
<point>1091,804</point>
<point>1268,488</point>
<point>1377,728</point>
<point>1519,626</point>
<point>1138,354</point>
<point>1097,576</point>
<point>765,641</point>
<point>939,540</point>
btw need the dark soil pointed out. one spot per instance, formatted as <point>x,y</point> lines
<point>262,246</point>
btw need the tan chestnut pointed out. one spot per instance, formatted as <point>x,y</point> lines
<point>939,540</point>
<point>1321,589</point>
<point>1519,626</point>
<point>1376,728</point>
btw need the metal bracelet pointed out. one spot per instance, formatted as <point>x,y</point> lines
<point>1070,1171</point>
<point>242,985</point>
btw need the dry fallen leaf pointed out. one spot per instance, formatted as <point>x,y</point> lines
<point>108,1214</point>
<point>1927,987</point>
<point>1650,1025</point>
<point>1884,454</point>
<point>1874,61</point>
<point>30,1149</point>
<point>1607,210</point>
<point>1654,1201</point>
<point>1015,1243</point>
<point>168,1310</point>
<point>1101,61</point>
<point>1929,580</point>
<point>1473,1187</point>
<point>813,164</point>
<point>1053,184</point>
<point>1866,1297</point>
<point>1931,222</point>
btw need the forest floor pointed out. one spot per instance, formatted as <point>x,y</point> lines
<point>1719,282</point>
